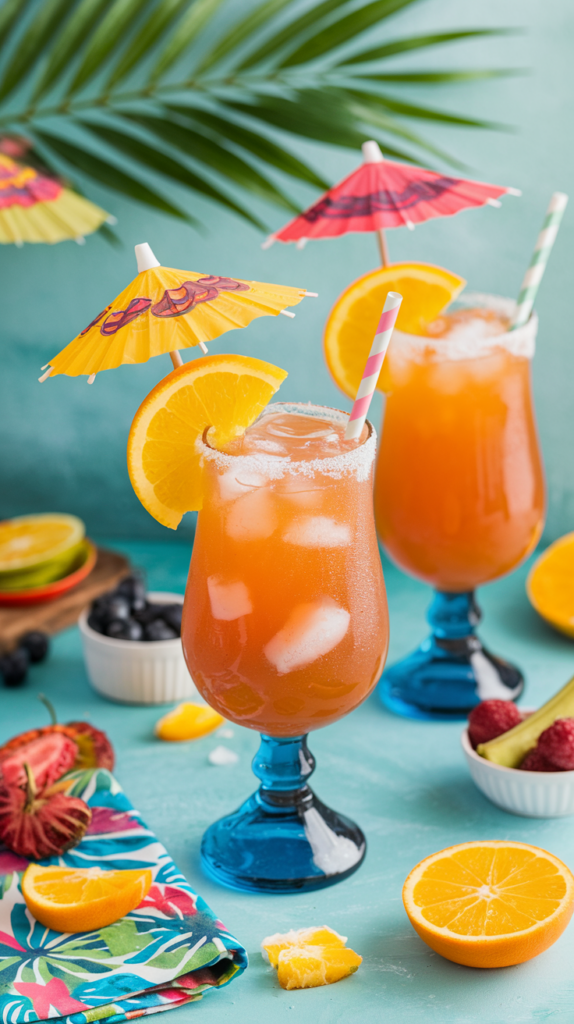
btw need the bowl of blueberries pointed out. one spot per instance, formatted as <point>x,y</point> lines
<point>132,645</point>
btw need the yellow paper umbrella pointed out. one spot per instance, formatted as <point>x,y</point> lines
<point>35,208</point>
<point>164,310</point>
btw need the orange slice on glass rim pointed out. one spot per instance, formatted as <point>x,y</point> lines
<point>224,393</point>
<point>68,899</point>
<point>489,904</point>
<point>549,585</point>
<point>350,329</point>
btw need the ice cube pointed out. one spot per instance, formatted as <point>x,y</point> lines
<point>311,631</point>
<point>252,517</point>
<point>235,483</point>
<point>228,601</point>
<point>318,532</point>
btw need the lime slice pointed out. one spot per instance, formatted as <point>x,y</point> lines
<point>32,540</point>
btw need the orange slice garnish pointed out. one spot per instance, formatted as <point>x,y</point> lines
<point>489,904</point>
<point>226,393</point>
<point>350,329</point>
<point>82,899</point>
<point>310,957</point>
<point>188,721</point>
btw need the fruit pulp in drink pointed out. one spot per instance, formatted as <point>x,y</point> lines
<point>459,489</point>
<point>285,625</point>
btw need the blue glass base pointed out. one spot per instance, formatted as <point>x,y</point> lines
<point>451,672</point>
<point>282,839</point>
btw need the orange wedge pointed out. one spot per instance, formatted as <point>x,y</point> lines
<point>225,393</point>
<point>489,904</point>
<point>351,326</point>
<point>310,957</point>
<point>187,721</point>
<point>82,899</point>
<point>549,585</point>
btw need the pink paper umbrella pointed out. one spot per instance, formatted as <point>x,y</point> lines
<point>385,194</point>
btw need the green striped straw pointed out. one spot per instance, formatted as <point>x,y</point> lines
<point>535,272</point>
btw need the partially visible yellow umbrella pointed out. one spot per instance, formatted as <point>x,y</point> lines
<point>163,310</point>
<point>35,208</point>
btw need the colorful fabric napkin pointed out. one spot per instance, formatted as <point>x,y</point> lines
<point>166,953</point>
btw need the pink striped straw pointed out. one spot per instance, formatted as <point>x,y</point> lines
<point>373,366</point>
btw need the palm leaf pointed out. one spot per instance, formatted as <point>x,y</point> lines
<point>10,14</point>
<point>106,38</point>
<point>154,159</point>
<point>425,113</point>
<point>107,174</point>
<point>77,28</point>
<point>290,32</point>
<point>33,43</point>
<point>311,116</point>
<point>257,145</point>
<point>440,77</point>
<point>198,15</point>
<point>343,30</point>
<point>240,32</point>
<point>162,18</point>
<point>418,42</point>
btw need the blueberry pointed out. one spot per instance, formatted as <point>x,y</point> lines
<point>133,588</point>
<point>36,643</point>
<point>159,630</point>
<point>148,613</point>
<point>118,608</point>
<point>172,615</point>
<point>94,622</point>
<point>14,667</point>
<point>124,629</point>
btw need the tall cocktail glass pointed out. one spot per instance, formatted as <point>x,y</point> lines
<point>459,494</point>
<point>285,630</point>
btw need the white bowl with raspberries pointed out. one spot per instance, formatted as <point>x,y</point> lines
<point>542,786</point>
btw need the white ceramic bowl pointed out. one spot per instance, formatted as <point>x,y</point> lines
<point>531,794</point>
<point>137,671</point>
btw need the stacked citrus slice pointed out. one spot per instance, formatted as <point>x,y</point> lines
<point>310,957</point>
<point>489,904</point>
<point>37,549</point>
<point>220,394</point>
<point>549,585</point>
<point>351,326</point>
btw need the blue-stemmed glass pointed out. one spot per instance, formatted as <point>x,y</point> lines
<point>285,630</point>
<point>459,495</point>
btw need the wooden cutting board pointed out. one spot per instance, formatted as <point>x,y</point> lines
<point>52,616</point>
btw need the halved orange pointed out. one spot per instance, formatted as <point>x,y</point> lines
<point>310,957</point>
<point>350,329</point>
<point>226,393</point>
<point>550,584</point>
<point>188,721</point>
<point>489,904</point>
<point>82,899</point>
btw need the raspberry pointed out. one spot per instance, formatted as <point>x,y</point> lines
<point>556,744</point>
<point>490,719</point>
<point>536,762</point>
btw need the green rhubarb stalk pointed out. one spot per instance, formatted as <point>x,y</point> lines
<point>511,748</point>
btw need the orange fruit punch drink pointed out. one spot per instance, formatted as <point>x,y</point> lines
<point>285,627</point>
<point>285,630</point>
<point>459,492</point>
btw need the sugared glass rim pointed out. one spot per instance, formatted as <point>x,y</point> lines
<point>358,460</point>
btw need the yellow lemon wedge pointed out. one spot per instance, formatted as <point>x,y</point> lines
<point>351,326</point>
<point>188,721</point>
<point>489,904</point>
<point>550,587</point>
<point>225,393</point>
<point>30,541</point>
<point>82,899</point>
<point>310,957</point>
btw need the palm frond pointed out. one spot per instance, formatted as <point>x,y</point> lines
<point>144,98</point>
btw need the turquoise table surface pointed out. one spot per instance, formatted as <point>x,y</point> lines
<point>404,782</point>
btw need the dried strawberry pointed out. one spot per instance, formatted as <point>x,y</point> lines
<point>95,749</point>
<point>49,756</point>
<point>40,824</point>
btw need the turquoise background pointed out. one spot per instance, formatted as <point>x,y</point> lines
<point>63,443</point>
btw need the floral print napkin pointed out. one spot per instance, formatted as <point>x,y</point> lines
<point>166,953</point>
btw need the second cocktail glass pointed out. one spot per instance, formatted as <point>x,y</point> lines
<point>285,630</point>
<point>459,494</point>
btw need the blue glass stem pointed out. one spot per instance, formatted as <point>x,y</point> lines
<point>282,839</point>
<point>451,671</point>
